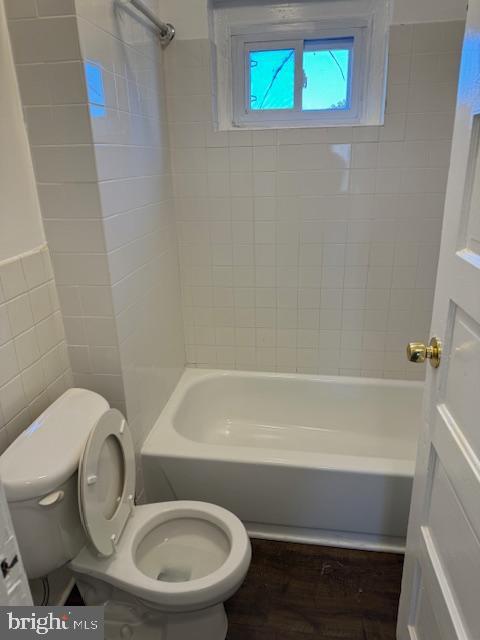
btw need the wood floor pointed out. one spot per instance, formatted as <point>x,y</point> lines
<point>306,592</point>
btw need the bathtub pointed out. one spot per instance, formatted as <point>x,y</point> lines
<point>319,459</point>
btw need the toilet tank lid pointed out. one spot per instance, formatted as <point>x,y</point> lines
<point>47,453</point>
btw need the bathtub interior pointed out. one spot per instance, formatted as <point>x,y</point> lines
<point>323,459</point>
<point>331,416</point>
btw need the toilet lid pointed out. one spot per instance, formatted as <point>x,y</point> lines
<point>106,482</point>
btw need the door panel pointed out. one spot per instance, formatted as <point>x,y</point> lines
<point>457,548</point>
<point>441,581</point>
<point>460,464</point>
<point>426,624</point>
<point>469,230</point>
<point>439,593</point>
<point>462,382</point>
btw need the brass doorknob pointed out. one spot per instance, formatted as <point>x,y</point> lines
<point>418,352</point>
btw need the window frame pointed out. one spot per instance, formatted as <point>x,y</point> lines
<point>295,36</point>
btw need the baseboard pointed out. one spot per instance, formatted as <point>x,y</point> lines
<point>363,541</point>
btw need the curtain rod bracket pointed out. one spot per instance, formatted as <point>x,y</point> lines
<point>166,31</point>
<point>168,35</point>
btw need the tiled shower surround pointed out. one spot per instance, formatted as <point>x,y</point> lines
<point>92,87</point>
<point>314,250</point>
<point>309,250</point>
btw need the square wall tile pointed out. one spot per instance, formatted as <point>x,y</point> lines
<point>20,9</point>
<point>315,219</point>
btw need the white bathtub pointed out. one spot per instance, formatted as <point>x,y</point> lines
<point>326,460</point>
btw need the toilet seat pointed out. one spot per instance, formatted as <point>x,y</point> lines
<point>106,482</point>
<point>178,557</point>
<point>121,570</point>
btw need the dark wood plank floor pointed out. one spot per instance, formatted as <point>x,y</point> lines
<point>306,592</point>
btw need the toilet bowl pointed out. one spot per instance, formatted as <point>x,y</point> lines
<point>162,571</point>
<point>181,559</point>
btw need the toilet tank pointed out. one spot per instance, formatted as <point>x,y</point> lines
<point>39,474</point>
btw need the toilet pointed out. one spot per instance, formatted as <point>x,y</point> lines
<point>160,570</point>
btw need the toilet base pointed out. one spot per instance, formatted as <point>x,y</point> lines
<point>208,624</point>
<point>128,617</point>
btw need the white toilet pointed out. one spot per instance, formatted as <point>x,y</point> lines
<point>162,570</point>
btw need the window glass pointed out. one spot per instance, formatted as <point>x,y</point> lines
<point>326,76</point>
<point>272,79</point>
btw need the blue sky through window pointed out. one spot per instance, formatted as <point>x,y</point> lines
<point>272,79</point>
<point>326,77</point>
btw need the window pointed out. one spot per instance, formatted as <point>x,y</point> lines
<point>327,75</point>
<point>280,64</point>
<point>316,77</point>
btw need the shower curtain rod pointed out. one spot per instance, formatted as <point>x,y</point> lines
<point>166,30</point>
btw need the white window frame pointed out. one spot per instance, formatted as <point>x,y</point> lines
<point>297,36</point>
<point>244,17</point>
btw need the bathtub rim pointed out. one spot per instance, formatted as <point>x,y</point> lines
<point>165,441</point>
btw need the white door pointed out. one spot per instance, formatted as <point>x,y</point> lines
<point>441,584</point>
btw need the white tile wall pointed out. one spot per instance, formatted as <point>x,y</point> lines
<point>133,170</point>
<point>314,250</point>
<point>300,250</point>
<point>54,97</point>
<point>106,197</point>
<point>34,365</point>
